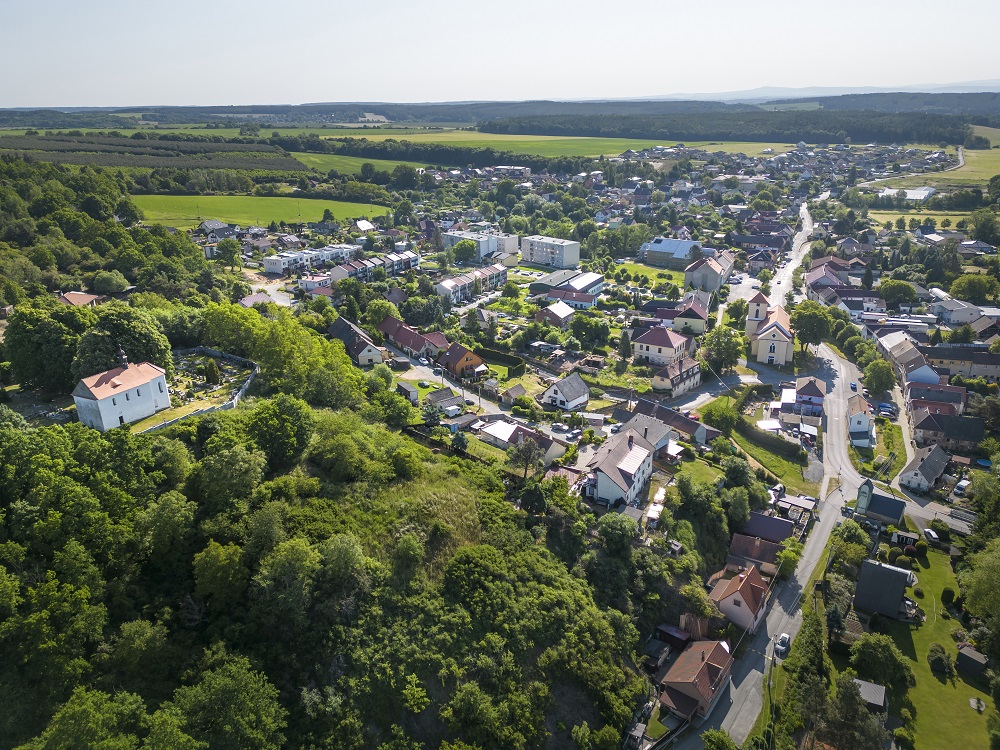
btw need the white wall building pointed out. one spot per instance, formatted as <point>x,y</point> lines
<point>550,251</point>
<point>121,396</point>
<point>621,468</point>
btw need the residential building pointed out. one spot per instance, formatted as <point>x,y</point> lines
<point>570,393</point>
<point>969,361</point>
<point>689,429</point>
<point>487,243</point>
<point>873,696</point>
<point>461,363</point>
<point>860,425</point>
<point>678,377</point>
<point>505,434</point>
<point>670,253</point>
<point>661,346</point>
<point>742,598</point>
<point>620,469</point>
<point>881,588</point>
<point>80,299</point>
<point>577,300</point>
<point>411,341</point>
<point>877,506</point>
<point>697,679</point>
<point>121,395</point>
<point>358,344</point>
<point>955,433</point>
<point>691,316</point>
<point>771,528</point>
<point>926,468</point>
<point>550,251</point>
<point>746,551</point>
<point>464,286</point>
<point>810,393</point>
<point>937,398</point>
<point>512,394</point>
<point>558,314</point>
<point>654,432</point>
<point>709,274</point>
<point>954,312</point>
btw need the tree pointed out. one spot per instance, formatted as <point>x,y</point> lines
<point>511,290</point>
<point>133,330</point>
<point>985,226</point>
<point>977,288</point>
<point>723,347</point>
<point>738,310</point>
<point>109,282</point>
<point>228,251</point>
<point>460,441</point>
<point>868,279</point>
<point>982,595</point>
<point>721,415</point>
<point>718,739</point>
<point>788,558</point>
<point>879,377</point>
<point>811,322</point>
<point>896,291</point>
<point>220,574</point>
<point>464,251</point>
<point>834,620</point>
<point>848,723</point>
<point>625,346</point>
<point>282,428</point>
<point>876,656</point>
<point>42,342</point>
<point>212,374</point>
<point>378,310</point>
<point>526,454</point>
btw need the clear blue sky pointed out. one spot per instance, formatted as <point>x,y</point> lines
<point>112,52</point>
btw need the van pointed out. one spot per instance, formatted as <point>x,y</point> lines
<point>961,487</point>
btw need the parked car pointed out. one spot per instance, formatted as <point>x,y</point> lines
<point>423,384</point>
<point>423,361</point>
<point>931,536</point>
<point>437,371</point>
<point>854,386</point>
<point>616,428</point>
<point>782,645</point>
<point>470,402</point>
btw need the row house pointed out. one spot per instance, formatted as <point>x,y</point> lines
<point>411,341</point>
<point>461,287</point>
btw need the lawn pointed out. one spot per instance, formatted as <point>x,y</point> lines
<point>979,167</point>
<point>348,164</point>
<point>176,412</point>
<point>184,212</point>
<point>641,269</point>
<point>890,438</point>
<point>787,471</point>
<point>699,470</point>
<point>941,708</point>
<point>881,217</point>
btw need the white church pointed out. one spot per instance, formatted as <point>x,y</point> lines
<point>121,395</point>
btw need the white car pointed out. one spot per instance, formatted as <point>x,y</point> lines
<point>782,644</point>
<point>423,361</point>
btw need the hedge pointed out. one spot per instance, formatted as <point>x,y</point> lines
<point>515,365</point>
<point>751,390</point>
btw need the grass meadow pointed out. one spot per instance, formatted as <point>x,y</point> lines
<point>348,164</point>
<point>183,211</point>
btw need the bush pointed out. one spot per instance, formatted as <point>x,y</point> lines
<point>940,660</point>
<point>894,554</point>
<point>906,716</point>
<point>959,635</point>
<point>918,592</point>
<point>904,562</point>
<point>941,529</point>
<point>904,738</point>
<point>947,595</point>
<point>921,548</point>
<point>910,551</point>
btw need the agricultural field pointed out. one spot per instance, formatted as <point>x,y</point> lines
<point>979,167</point>
<point>881,217</point>
<point>184,211</point>
<point>348,164</point>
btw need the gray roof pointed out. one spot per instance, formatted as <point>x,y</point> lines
<point>771,528</point>
<point>880,588</point>
<point>871,693</point>
<point>971,429</point>
<point>886,507</point>
<point>930,462</point>
<point>651,428</point>
<point>572,387</point>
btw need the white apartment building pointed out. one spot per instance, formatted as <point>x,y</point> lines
<point>487,243</point>
<point>550,251</point>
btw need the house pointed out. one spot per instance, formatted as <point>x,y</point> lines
<point>550,251</point>
<point>689,429</point>
<point>410,341</point>
<point>80,299</point>
<point>358,344</point>
<point>937,398</point>
<point>969,361</point>
<point>654,432</point>
<point>444,398</point>
<point>211,224</point>
<point>696,680</point>
<point>504,434</point>
<point>745,551</point>
<point>882,588</point>
<point>879,507</point>
<point>706,274</point>
<point>954,433</point>
<point>809,396</point>
<point>770,528</point>
<point>970,662</point>
<point>121,395</point>
<point>926,468</point>
<point>485,318</point>
<point>771,338</point>
<point>678,378</point>
<point>408,391</point>
<point>954,312</point>
<point>362,226</point>
<point>558,314</point>
<point>569,394</point>
<point>661,346</point>
<point>670,253</point>
<point>257,298</point>
<point>691,316</point>
<point>742,598</point>
<point>760,260</point>
<point>620,469</point>
<point>577,300</point>
<point>873,696</point>
<point>461,363</point>
<point>512,394</point>
<point>860,425</point>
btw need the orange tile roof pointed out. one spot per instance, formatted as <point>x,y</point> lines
<point>120,379</point>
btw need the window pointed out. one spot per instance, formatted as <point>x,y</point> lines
<point>160,385</point>
<point>114,402</point>
<point>737,603</point>
<point>121,421</point>
<point>771,349</point>
<point>127,397</point>
<point>137,392</point>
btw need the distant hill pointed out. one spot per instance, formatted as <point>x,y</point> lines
<point>982,103</point>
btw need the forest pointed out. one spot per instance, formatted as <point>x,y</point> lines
<point>813,127</point>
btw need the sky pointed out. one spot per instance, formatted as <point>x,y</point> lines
<point>211,52</point>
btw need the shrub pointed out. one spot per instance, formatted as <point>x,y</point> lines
<point>883,554</point>
<point>941,529</point>
<point>940,660</point>
<point>910,551</point>
<point>918,592</point>
<point>947,595</point>
<point>959,635</point>
<point>906,716</point>
<point>894,554</point>
<point>921,548</point>
<point>904,738</point>
<point>904,562</point>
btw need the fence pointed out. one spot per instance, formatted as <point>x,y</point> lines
<point>238,395</point>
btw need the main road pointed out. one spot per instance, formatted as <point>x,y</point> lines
<point>739,707</point>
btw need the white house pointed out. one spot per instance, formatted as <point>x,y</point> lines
<point>570,393</point>
<point>926,468</point>
<point>742,598</point>
<point>661,346</point>
<point>550,251</point>
<point>860,425</point>
<point>620,469</point>
<point>121,396</point>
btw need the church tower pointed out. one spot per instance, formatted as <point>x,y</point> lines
<point>756,313</point>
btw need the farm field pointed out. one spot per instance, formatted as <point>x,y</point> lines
<point>955,216</point>
<point>979,167</point>
<point>348,164</point>
<point>184,211</point>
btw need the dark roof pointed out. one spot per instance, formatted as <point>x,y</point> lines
<point>573,387</point>
<point>873,695</point>
<point>930,462</point>
<point>886,507</point>
<point>650,428</point>
<point>771,528</point>
<point>659,336</point>
<point>954,427</point>
<point>437,396</point>
<point>880,588</point>
<point>754,549</point>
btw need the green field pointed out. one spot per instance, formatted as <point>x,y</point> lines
<point>979,167</point>
<point>881,217</point>
<point>348,164</point>
<point>184,211</point>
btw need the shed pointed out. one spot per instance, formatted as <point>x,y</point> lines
<point>673,636</point>
<point>873,695</point>
<point>408,391</point>
<point>971,662</point>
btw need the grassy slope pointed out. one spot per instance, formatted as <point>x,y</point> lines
<point>789,473</point>
<point>183,211</point>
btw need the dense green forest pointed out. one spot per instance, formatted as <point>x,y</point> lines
<point>984,103</point>
<point>812,127</point>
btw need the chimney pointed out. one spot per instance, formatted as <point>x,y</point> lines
<point>703,655</point>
